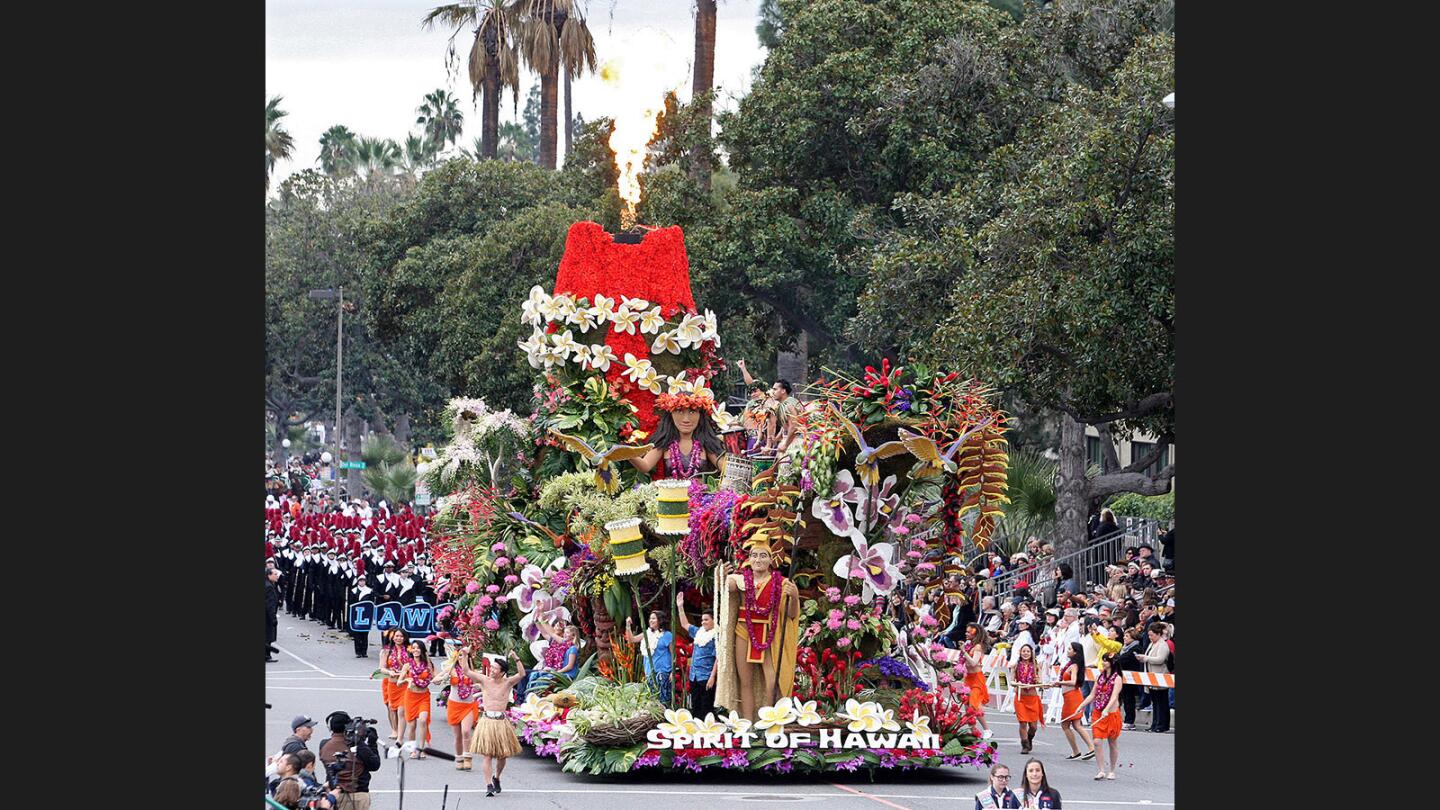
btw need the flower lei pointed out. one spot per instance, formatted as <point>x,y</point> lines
<point>420,679</point>
<point>684,468</point>
<point>751,609</point>
<point>1024,672</point>
<point>464,687</point>
<point>1103,685</point>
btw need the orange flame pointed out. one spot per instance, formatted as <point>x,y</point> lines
<point>637,82</point>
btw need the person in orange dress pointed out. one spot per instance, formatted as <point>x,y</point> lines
<point>392,660</point>
<point>977,644</point>
<point>1025,678</point>
<point>462,707</point>
<point>1104,701</point>
<point>1072,676</point>
<point>416,678</point>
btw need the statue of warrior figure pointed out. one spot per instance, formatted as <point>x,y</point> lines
<point>760,632</point>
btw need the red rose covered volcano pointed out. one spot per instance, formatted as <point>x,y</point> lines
<point>655,269</point>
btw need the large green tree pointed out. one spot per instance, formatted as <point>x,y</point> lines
<point>278,141</point>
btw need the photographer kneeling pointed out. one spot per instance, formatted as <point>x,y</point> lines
<point>349,756</point>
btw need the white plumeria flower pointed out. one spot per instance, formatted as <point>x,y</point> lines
<point>807,713</point>
<point>565,344</point>
<point>712,327</point>
<point>709,726</point>
<point>603,308</point>
<point>601,356</point>
<point>888,721</point>
<point>583,317</point>
<point>666,342</point>
<point>625,321</point>
<point>635,305</point>
<point>863,716</point>
<point>651,322</point>
<point>778,716</point>
<point>723,419</point>
<point>534,347</point>
<point>581,355</point>
<point>554,307</point>
<point>551,357</point>
<point>691,330</point>
<point>678,721</point>
<point>920,726</point>
<point>537,709</point>
<point>676,385</point>
<point>532,311</point>
<point>650,381</point>
<point>635,367</point>
<point>736,723</point>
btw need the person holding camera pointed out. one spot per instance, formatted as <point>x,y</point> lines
<point>350,755</point>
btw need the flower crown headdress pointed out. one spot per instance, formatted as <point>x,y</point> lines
<point>686,402</point>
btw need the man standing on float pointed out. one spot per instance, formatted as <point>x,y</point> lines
<point>761,631</point>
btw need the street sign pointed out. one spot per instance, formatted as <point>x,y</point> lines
<point>422,498</point>
<point>352,465</point>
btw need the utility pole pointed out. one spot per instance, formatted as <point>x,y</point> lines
<point>325,295</point>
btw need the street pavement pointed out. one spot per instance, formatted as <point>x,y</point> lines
<point>317,673</point>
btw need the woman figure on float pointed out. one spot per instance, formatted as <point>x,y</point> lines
<point>977,644</point>
<point>686,440</point>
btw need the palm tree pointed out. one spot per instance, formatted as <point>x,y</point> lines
<point>493,64</point>
<point>278,143</point>
<point>704,80</point>
<point>553,38</point>
<point>441,120</point>
<point>576,58</point>
<point>419,153</point>
<point>375,158</point>
<point>337,147</point>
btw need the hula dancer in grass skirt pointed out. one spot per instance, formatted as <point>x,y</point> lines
<point>976,646</point>
<point>494,739</point>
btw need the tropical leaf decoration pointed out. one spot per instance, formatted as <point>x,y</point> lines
<point>982,471</point>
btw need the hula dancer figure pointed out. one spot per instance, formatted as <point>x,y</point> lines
<point>1025,675</point>
<point>416,678</point>
<point>756,658</point>
<point>1104,701</point>
<point>393,659</point>
<point>1072,675</point>
<point>494,738</point>
<point>686,439</point>
<point>976,646</point>
<point>462,708</point>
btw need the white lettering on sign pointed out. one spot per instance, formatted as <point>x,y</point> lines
<point>827,738</point>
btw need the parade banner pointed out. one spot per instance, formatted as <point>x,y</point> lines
<point>415,619</point>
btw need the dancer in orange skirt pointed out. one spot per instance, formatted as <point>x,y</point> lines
<point>1104,701</point>
<point>416,678</point>
<point>1072,675</point>
<point>1025,680</point>
<point>462,707</point>
<point>977,644</point>
<point>392,660</point>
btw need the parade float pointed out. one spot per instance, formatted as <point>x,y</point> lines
<point>549,519</point>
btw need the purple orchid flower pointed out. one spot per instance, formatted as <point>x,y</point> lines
<point>871,565</point>
<point>834,513</point>
<point>531,587</point>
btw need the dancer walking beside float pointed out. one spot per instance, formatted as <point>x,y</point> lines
<point>393,659</point>
<point>416,678</point>
<point>1104,700</point>
<point>977,644</point>
<point>462,707</point>
<point>1072,674</point>
<point>1025,677</point>
<point>494,739</point>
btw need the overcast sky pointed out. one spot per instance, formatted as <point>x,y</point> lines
<point>367,64</point>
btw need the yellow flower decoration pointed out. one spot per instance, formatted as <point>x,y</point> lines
<point>651,322</point>
<point>677,722</point>
<point>777,716</point>
<point>862,716</point>
<point>807,713</point>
